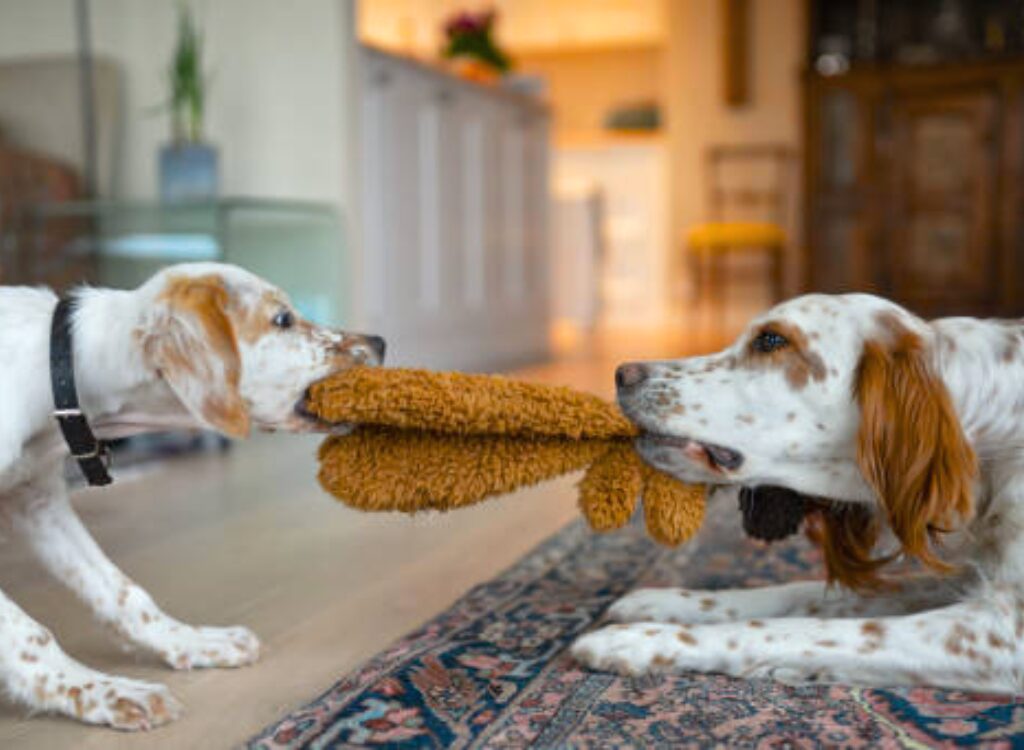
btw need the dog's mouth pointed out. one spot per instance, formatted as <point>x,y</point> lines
<point>717,458</point>
<point>303,412</point>
<point>314,423</point>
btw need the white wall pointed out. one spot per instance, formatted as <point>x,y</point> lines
<point>280,105</point>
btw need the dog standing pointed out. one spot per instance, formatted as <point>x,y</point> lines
<point>197,346</point>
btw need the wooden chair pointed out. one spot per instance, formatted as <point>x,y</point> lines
<point>746,216</point>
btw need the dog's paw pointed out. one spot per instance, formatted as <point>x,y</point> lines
<point>189,647</point>
<point>121,703</point>
<point>631,650</point>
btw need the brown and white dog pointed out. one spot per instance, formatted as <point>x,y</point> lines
<point>910,435</point>
<point>199,345</point>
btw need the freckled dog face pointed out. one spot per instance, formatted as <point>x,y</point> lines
<point>282,355</point>
<point>237,354</point>
<point>776,407</point>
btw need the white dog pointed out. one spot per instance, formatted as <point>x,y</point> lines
<point>910,436</point>
<point>203,345</point>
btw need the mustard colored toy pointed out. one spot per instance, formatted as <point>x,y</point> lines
<point>443,440</point>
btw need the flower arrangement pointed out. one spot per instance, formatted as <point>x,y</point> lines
<point>469,38</point>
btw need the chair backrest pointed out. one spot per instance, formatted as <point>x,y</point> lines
<point>749,182</point>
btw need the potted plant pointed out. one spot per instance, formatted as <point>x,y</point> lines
<point>188,166</point>
<point>469,42</point>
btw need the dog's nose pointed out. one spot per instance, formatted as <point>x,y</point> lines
<point>630,375</point>
<point>378,344</point>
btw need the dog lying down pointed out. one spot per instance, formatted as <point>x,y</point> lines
<point>906,436</point>
<point>197,346</point>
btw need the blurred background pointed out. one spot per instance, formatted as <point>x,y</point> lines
<point>542,187</point>
<point>488,183</point>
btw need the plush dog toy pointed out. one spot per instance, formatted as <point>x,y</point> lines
<point>443,440</point>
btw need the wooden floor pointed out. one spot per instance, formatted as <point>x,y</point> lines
<point>249,538</point>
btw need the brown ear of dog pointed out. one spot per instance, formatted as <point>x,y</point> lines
<point>911,448</point>
<point>194,348</point>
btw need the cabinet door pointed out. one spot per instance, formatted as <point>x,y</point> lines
<point>941,231</point>
<point>841,230</point>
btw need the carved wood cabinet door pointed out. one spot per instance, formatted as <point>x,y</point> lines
<point>939,155</point>
<point>840,194</point>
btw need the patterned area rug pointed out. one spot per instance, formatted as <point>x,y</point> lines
<point>493,670</point>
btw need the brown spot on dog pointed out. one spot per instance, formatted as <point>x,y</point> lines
<point>687,638</point>
<point>873,629</point>
<point>1011,346</point>
<point>755,624</point>
<point>996,642</point>
<point>976,656</point>
<point>75,694</point>
<point>799,363</point>
<point>826,644</point>
<point>955,640</point>
<point>128,713</point>
<point>707,604</point>
<point>745,419</point>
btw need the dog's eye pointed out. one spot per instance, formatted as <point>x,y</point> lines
<point>768,341</point>
<point>283,319</point>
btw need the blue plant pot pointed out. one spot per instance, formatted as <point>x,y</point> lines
<point>188,171</point>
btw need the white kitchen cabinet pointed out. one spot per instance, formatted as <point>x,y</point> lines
<point>632,176</point>
<point>455,195</point>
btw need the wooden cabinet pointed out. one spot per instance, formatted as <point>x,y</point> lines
<point>455,202</point>
<point>912,186</point>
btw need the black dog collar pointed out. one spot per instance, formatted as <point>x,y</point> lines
<point>90,453</point>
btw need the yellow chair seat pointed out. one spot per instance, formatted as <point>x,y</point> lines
<point>735,234</point>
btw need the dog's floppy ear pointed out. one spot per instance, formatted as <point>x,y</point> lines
<point>191,342</point>
<point>911,448</point>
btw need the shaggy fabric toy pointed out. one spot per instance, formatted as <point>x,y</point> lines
<point>440,440</point>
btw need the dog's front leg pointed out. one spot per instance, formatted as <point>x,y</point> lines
<point>796,599</point>
<point>44,517</point>
<point>963,646</point>
<point>35,672</point>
